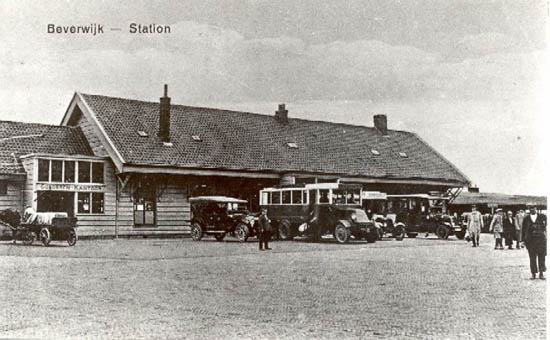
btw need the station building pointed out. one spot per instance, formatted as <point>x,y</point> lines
<point>128,167</point>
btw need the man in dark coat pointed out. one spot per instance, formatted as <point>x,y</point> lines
<point>534,237</point>
<point>509,229</point>
<point>264,230</point>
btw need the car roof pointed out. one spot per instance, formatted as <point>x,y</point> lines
<point>219,199</point>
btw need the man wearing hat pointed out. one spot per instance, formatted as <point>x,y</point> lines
<point>497,229</point>
<point>475,223</point>
<point>534,237</point>
<point>264,230</point>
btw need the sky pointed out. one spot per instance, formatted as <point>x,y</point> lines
<point>469,77</point>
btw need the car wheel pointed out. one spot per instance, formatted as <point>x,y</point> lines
<point>45,236</point>
<point>30,237</point>
<point>285,233</point>
<point>242,232</point>
<point>341,233</point>
<point>399,234</point>
<point>442,232</point>
<point>196,231</point>
<point>71,240</point>
<point>219,237</point>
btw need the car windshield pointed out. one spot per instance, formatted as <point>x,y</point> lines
<point>361,215</point>
<point>236,207</point>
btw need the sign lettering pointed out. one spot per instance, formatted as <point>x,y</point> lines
<point>69,187</point>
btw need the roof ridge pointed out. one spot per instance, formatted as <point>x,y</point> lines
<point>38,124</point>
<point>242,112</point>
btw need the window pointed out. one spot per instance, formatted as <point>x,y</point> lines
<point>142,133</point>
<point>196,138</point>
<point>276,197</point>
<point>84,172</point>
<point>90,202</point>
<point>43,170</point>
<point>83,202</point>
<point>323,196</point>
<point>69,171</point>
<point>97,172</point>
<point>375,152</point>
<point>3,188</point>
<point>286,197</point>
<point>57,171</point>
<point>264,198</point>
<point>403,155</point>
<point>292,145</point>
<point>97,203</point>
<point>296,197</point>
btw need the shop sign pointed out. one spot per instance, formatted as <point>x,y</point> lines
<point>492,205</point>
<point>373,195</point>
<point>69,187</point>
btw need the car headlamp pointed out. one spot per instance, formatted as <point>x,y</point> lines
<point>354,217</point>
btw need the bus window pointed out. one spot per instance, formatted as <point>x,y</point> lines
<point>296,197</point>
<point>276,197</point>
<point>286,197</point>
<point>338,197</point>
<point>304,197</point>
<point>312,196</point>
<point>353,197</point>
<point>323,196</point>
<point>264,198</point>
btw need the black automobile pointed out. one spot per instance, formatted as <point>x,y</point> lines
<point>219,216</point>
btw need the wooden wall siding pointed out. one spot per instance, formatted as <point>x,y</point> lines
<point>28,187</point>
<point>173,212</point>
<point>12,200</point>
<point>89,130</point>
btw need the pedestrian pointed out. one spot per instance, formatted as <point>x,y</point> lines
<point>264,229</point>
<point>534,237</point>
<point>475,223</point>
<point>509,230</point>
<point>497,229</point>
<point>520,215</point>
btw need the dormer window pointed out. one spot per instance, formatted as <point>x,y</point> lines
<point>403,155</point>
<point>142,133</point>
<point>196,138</point>
<point>374,152</point>
<point>167,143</point>
<point>292,145</point>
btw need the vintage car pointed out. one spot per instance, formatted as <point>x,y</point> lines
<point>219,216</point>
<point>44,227</point>
<point>375,204</point>
<point>316,210</point>
<point>424,213</point>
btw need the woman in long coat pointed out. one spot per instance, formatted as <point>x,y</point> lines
<point>497,229</point>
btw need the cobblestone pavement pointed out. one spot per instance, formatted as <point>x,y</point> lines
<point>176,288</point>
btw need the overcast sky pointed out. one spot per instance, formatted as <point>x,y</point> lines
<point>467,76</point>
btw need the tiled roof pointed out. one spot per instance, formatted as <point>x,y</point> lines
<point>248,141</point>
<point>18,139</point>
<point>468,198</point>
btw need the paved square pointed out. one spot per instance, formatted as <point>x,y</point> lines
<point>176,288</point>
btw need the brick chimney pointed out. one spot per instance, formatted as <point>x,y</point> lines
<point>282,114</point>
<point>381,123</point>
<point>164,116</point>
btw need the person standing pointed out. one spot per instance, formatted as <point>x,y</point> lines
<point>264,229</point>
<point>475,223</point>
<point>497,229</point>
<point>520,215</point>
<point>534,237</point>
<point>509,230</point>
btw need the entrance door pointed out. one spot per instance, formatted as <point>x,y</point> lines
<point>144,212</point>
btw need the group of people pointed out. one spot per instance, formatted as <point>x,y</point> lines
<point>528,230</point>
